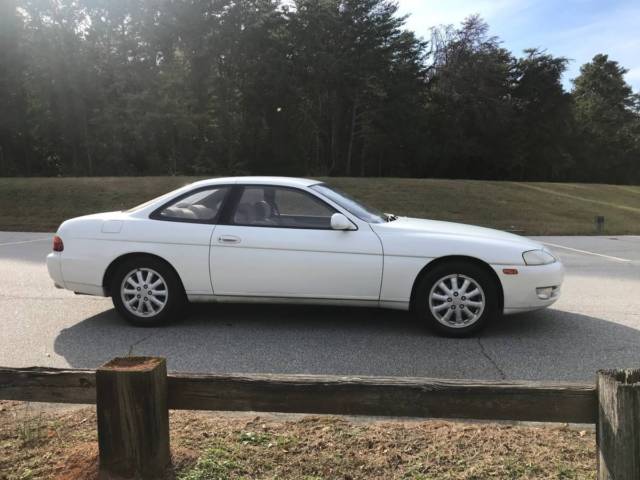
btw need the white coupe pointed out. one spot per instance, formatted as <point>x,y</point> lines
<point>270,239</point>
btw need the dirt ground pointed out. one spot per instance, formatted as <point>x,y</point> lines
<point>61,444</point>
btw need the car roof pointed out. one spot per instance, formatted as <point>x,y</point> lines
<point>283,181</point>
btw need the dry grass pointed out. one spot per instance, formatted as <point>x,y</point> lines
<point>41,204</point>
<point>214,446</point>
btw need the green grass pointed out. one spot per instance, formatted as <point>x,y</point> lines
<point>41,204</point>
<point>213,464</point>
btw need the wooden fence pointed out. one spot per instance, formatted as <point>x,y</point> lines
<point>134,394</point>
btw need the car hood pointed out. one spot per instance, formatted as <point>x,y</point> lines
<point>451,228</point>
<point>433,238</point>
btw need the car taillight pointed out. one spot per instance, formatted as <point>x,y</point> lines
<point>58,246</point>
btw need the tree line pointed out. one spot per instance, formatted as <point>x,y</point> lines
<point>297,87</point>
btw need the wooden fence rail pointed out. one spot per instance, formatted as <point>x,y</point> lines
<point>383,396</point>
<point>613,407</point>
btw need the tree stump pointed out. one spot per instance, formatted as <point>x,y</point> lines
<point>133,418</point>
<point>618,427</point>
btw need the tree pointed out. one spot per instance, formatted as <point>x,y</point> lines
<point>606,111</point>
<point>348,57</point>
<point>469,106</point>
<point>15,155</point>
<point>543,118</point>
<point>309,87</point>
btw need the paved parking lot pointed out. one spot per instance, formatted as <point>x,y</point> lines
<point>596,324</point>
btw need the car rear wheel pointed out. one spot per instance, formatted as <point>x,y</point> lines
<point>146,292</point>
<point>457,299</point>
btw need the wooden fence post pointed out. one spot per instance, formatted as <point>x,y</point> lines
<point>133,418</point>
<point>618,426</point>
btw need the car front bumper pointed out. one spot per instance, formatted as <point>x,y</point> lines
<point>526,290</point>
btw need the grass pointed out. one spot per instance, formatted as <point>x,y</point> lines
<point>30,427</point>
<point>41,204</point>
<point>244,446</point>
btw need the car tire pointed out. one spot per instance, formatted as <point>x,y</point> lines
<point>457,298</point>
<point>147,292</point>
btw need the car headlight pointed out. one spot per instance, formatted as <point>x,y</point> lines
<point>538,257</point>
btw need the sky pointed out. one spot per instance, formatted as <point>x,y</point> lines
<point>575,29</point>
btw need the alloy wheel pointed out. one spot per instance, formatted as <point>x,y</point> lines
<point>456,301</point>
<point>144,292</point>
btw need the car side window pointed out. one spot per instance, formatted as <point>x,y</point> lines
<point>267,206</point>
<point>200,206</point>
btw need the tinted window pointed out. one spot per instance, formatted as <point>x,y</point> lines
<point>200,206</point>
<point>265,206</point>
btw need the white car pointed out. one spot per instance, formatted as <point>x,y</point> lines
<point>290,240</point>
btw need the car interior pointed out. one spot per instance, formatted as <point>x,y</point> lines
<point>281,207</point>
<point>258,206</point>
<point>202,206</point>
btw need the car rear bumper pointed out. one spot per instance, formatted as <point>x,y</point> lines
<point>522,291</point>
<point>54,266</point>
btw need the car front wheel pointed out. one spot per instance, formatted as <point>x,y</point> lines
<point>457,299</point>
<point>146,292</point>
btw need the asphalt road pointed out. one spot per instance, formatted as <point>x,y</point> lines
<point>595,324</point>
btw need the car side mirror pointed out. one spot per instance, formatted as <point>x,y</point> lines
<point>340,222</point>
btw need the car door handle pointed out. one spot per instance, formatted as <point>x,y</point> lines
<point>228,239</point>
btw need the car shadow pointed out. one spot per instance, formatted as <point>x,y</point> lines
<point>546,345</point>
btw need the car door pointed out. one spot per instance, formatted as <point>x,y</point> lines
<point>278,242</point>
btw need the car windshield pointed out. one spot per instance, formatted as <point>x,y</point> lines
<point>364,213</point>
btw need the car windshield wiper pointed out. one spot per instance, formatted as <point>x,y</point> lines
<point>390,217</point>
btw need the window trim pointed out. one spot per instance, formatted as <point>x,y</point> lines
<point>231,206</point>
<point>155,214</point>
